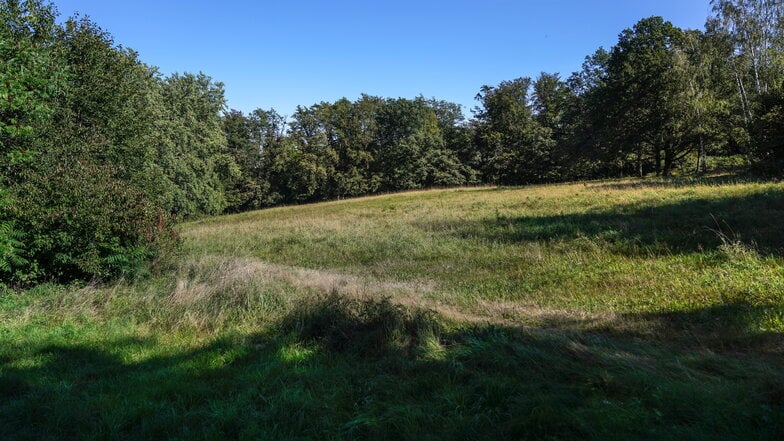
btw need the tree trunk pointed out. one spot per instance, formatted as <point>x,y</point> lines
<point>657,161</point>
<point>639,160</point>
<point>702,166</point>
<point>668,160</point>
<point>743,100</point>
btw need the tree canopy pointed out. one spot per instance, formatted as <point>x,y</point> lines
<point>100,154</point>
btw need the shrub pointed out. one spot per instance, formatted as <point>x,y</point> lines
<point>81,222</point>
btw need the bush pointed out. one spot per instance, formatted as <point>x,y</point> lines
<point>10,244</point>
<point>81,222</point>
<point>92,153</point>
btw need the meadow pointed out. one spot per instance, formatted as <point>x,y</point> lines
<point>619,309</point>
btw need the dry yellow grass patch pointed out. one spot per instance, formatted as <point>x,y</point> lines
<point>220,274</point>
<point>228,278</point>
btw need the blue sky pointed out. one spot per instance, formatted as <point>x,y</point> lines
<point>284,53</point>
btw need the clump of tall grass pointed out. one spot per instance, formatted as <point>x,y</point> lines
<point>732,247</point>
<point>363,327</point>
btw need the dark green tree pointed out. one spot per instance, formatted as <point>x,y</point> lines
<point>190,144</point>
<point>410,151</point>
<point>754,32</point>
<point>649,98</point>
<point>458,137</point>
<point>768,132</point>
<point>351,129</point>
<point>515,148</point>
<point>29,79</point>
<point>85,204</point>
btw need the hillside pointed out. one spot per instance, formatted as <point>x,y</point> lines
<point>603,310</point>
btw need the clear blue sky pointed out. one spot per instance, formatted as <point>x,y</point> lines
<point>284,53</point>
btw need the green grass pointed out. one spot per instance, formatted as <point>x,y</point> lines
<point>632,309</point>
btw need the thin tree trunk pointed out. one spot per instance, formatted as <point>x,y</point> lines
<point>743,100</point>
<point>668,159</point>
<point>701,159</point>
<point>657,161</point>
<point>755,68</point>
<point>639,160</point>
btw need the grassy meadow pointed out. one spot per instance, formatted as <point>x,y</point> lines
<point>624,309</point>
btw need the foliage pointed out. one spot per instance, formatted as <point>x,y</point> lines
<point>647,106</point>
<point>409,147</point>
<point>10,246</point>
<point>81,221</point>
<point>192,140</point>
<point>768,132</point>
<point>345,148</point>
<point>29,78</point>
<point>85,199</point>
<point>515,148</point>
<point>625,309</point>
<point>100,154</point>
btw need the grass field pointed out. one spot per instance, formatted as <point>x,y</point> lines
<point>626,309</point>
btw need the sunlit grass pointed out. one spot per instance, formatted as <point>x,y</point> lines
<point>606,247</point>
<point>619,309</point>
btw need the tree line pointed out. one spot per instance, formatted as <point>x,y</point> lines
<point>100,154</point>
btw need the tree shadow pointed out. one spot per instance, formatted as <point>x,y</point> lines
<point>693,225</point>
<point>678,182</point>
<point>374,370</point>
<point>727,328</point>
<point>736,327</point>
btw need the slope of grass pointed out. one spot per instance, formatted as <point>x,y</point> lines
<point>606,310</point>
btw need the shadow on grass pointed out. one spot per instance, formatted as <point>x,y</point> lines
<point>347,369</point>
<point>679,182</point>
<point>689,226</point>
<point>738,327</point>
<point>730,328</point>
